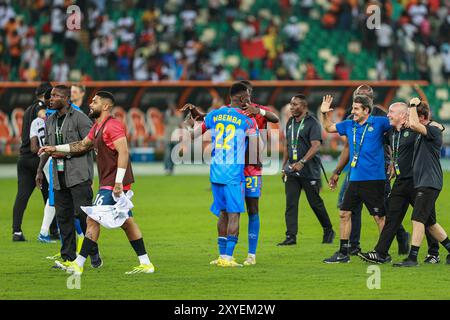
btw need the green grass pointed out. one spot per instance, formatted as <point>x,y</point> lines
<point>180,235</point>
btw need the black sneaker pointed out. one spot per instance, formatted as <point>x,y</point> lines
<point>288,242</point>
<point>18,236</point>
<point>328,236</point>
<point>432,259</point>
<point>354,250</point>
<point>96,261</point>
<point>374,257</point>
<point>406,263</point>
<point>338,257</point>
<point>403,244</point>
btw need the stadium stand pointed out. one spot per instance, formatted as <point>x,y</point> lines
<point>267,40</point>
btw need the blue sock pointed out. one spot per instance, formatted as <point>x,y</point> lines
<point>253,232</point>
<point>78,227</point>
<point>222,242</point>
<point>231,243</point>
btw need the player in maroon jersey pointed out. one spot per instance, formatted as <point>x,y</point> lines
<point>108,138</point>
<point>252,171</point>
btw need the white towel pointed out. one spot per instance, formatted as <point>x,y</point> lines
<point>112,216</point>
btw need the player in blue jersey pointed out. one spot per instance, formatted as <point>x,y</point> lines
<point>231,130</point>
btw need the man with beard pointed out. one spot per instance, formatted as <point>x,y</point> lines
<point>109,140</point>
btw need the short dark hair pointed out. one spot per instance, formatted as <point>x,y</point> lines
<point>423,109</point>
<point>48,93</point>
<point>63,88</point>
<point>236,88</point>
<point>43,87</point>
<point>364,87</point>
<point>301,97</point>
<point>377,110</point>
<point>248,84</point>
<point>106,95</point>
<point>365,101</point>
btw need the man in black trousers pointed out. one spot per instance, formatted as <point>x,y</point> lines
<point>72,175</point>
<point>27,165</point>
<point>302,169</point>
<point>402,140</point>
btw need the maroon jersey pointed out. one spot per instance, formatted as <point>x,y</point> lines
<point>103,135</point>
<point>256,169</point>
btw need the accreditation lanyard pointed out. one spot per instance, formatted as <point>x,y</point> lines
<point>356,152</point>
<point>395,151</point>
<point>294,143</point>
<point>59,140</point>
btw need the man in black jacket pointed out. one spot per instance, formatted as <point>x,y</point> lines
<point>27,165</point>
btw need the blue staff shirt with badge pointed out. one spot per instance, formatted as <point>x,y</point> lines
<point>371,164</point>
<point>229,129</point>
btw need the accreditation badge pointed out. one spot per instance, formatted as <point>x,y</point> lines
<point>397,169</point>
<point>354,161</point>
<point>60,165</point>
<point>294,154</point>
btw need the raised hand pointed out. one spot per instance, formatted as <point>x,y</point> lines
<point>326,104</point>
<point>187,106</point>
<point>414,102</point>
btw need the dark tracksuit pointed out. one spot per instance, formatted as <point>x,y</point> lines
<point>299,136</point>
<point>27,166</point>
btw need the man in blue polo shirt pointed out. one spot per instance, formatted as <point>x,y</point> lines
<point>365,134</point>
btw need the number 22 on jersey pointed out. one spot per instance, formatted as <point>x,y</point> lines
<point>227,133</point>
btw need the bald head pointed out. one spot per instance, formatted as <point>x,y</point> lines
<point>398,114</point>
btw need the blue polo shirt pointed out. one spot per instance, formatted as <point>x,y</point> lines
<point>370,165</point>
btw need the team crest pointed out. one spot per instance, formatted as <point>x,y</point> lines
<point>406,134</point>
<point>370,129</point>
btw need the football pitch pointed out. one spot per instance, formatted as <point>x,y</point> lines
<point>180,235</point>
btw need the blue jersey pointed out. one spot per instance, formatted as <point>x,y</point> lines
<point>229,128</point>
<point>370,164</point>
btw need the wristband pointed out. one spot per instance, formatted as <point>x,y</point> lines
<point>303,161</point>
<point>63,148</point>
<point>338,172</point>
<point>120,175</point>
<point>262,112</point>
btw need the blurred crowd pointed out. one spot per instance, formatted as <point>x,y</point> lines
<point>416,32</point>
<point>167,40</point>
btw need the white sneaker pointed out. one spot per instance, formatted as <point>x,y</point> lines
<point>250,261</point>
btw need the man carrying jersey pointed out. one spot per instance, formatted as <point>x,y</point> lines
<point>107,136</point>
<point>230,128</point>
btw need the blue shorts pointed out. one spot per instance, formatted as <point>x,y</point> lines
<point>253,186</point>
<point>228,197</point>
<point>51,192</point>
<point>104,198</point>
